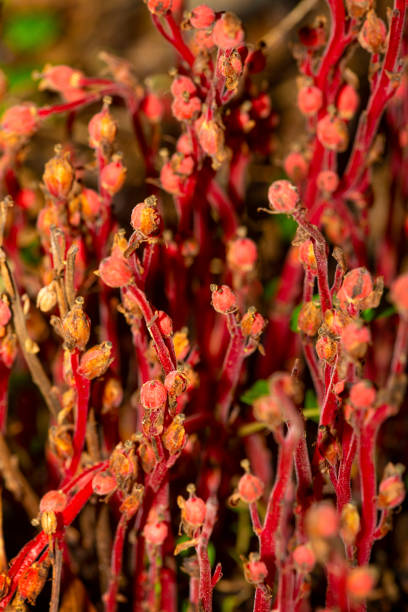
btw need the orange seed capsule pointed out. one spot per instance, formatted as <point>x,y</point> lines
<point>76,325</point>
<point>96,360</point>
<point>59,174</point>
<point>173,437</point>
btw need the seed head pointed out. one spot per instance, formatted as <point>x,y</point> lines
<point>223,299</point>
<point>283,196</point>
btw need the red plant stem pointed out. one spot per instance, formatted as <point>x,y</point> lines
<point>31,551</point>
<point>319,245</point>
<point>4,381</point>
<point>383,91</point>
<point>116,565</point>
<point>82,386</point>
<point>336,44</point>
<point>399,358</point>
<point>176,39</point>
<point>274,511</point>
<point>343,489</point>
<point>162,351</point>
<point>366,455</point>
<point>231,368</point>
<point>220,201</point>
<point>205,586</point>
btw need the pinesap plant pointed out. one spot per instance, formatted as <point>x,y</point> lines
<point>176,391</point>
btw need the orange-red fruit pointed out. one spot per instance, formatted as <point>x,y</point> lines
<point>159,7</point>
<point>152,107</point>
<point>153,395</point>
<point>310,100</point>
<point>165,323</point>
<point>194,511</point>
<point>224,300</point>
<point>304,557</point>
<point>5,313</point>
<point>355,340</point>
<point>357,285</point>
<point>358,8</point>
<point>242,254</point>
<point>310,318</point>
<point>252,324</point>
<point>250,488</point>
<point>326,349</point>
<point>360,582</point>
<point>96,360</point>
<point>53,501</point>
<point>155,532</point>
<point>362,394</point>
<point>60,78</point>
<point>182,86</point>
<point>115,271</point>
<point>202,17</point>
<point>307,255</point>
<point>267,409</point>
<point>103,483</point>
<point>170,181</point>
<point>322,521</point>
<point>20,120</point>
<point>186,108</point>
<point>59,176</point>
<point>347,102</point>
<point>295,166</point>
<point>175,383</point>
<point>283,196</point>
<point>211,137</point>
<point>332,133</point>
<point>255,570</point>
<point>228,32</point>
<point>90,202</point>
<point>391,490</point>
<point>373,34</point>
<point>113,176</point>
<point>399,294</point>
<point>327,181</point>
<point>145,218</point>
<point>102,129</point>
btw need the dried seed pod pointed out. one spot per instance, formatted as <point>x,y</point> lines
<point>31,582</point>
<point>96,360</point>
<point>123,463</point>
<point>349,523</point>
<point>250,487</point>
<point>283,196</point>
<point>47,298</point>
<point>103,483</point>
<point>174,436</point>
<point>255,570</point>
<point>59,174</point>
<point>223,299</point>
<point>310,318</point>
<point>131,503</point>
<point>53,501</point>
<point>76,325</point>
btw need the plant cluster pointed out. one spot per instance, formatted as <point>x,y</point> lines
<point>142,339</point>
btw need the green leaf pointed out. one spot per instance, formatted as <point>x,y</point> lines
<point>368,315</point>
<point>294,318</point>
<point>311,409</point>
<point>31,31</point>
<point>287,227</point>
<point>258,389</point>
<point>271,288</point>
<point>211,553</point>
